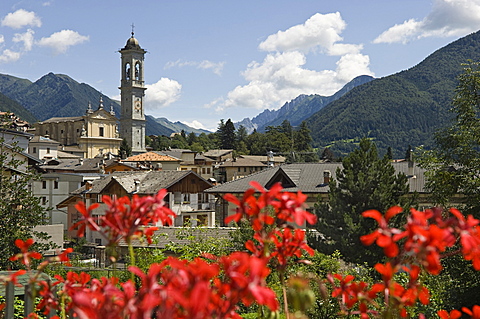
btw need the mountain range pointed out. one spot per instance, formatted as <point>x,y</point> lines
<point>397,111</point>
<point>298,109</point>
<point>58,95</point>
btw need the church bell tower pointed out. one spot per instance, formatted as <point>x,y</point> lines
<point>132,90</point>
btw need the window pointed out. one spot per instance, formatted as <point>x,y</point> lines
<point>44,200</point>
<point>208,170</point>
<point>34,151</point>
<point>44,184</point>
<point>101,131</point>
<point>177,197</point>
<point>48,150</point>
<point>61,131</point>
<point>55,184</point>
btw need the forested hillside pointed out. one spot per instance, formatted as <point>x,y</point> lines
<point>399,110</point>
<point>54,95</point>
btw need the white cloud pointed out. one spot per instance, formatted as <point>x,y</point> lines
<point>195,124</point>
<point>20,19</point>
<point>9,56</point>
<point>321,31</point>
<point>2,38</point>
<point>62,40</point>
<point>447,18</point>
<point>26,38</point>
<point>216,67</point>
<point>282,75</point>
<point>162,93</point>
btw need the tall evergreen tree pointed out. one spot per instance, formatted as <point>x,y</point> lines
<point>303,144</point>
<point>226,134</point>
<point>365,182</point>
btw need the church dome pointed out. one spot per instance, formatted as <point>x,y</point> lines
<point>132,43</point>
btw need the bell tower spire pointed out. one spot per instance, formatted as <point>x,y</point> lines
<point>132,90</point>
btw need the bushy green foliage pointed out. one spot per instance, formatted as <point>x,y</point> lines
<point>197,241</point>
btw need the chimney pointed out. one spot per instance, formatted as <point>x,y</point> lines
<point>326,177</point>
<point>270,159</point>
<point>88,185</point>
<point>137,185</point>
<point>411,166</point>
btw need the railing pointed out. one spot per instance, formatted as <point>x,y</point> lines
<point>29,301</point>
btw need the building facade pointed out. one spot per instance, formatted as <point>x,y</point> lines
<point>92,134</point>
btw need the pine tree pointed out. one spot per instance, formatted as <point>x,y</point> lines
<point>365,182</point>
<point>125,149</point>
<point>226,134</point>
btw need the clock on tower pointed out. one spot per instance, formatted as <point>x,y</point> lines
<point>132,90</point>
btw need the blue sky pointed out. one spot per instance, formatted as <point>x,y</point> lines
<point>212,60</point>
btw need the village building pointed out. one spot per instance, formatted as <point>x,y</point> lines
<point>89,135</point>
<point>154,161</point>
<point>193,161</point>
<point>311,179</point>
<point>185,196</point>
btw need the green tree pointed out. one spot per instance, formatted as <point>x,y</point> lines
<point>389,153</point>
<point>20,211</point>
<point>191,138</point>
<point>125,149</point>
<point>453,166</point>
<point>226,134</point>
<point>277,141</point>
<point>196,147</point>
<point>303,144</point>
<point>179,141</point>
<point>163,143</point>
<point>256,143</point>
<point>209,141</point>
<point>241,140</point>
<point>328,155</point>
<point>365,182</point>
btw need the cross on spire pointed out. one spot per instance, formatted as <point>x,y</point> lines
<point>133,29</point>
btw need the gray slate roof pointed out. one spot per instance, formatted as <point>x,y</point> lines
<point>150,181</point>
<point>306,177</point>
